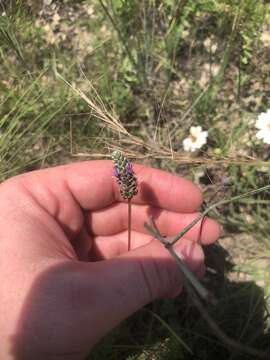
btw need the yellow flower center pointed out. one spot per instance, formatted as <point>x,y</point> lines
<point>194,139</point>
<point>268,125</point>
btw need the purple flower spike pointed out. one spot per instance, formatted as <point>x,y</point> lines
<point>124,175</point>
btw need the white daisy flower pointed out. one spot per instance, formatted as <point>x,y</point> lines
<point>196,139</point>
<point>263,125</point>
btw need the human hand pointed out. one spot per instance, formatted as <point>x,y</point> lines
<point>66,276</point>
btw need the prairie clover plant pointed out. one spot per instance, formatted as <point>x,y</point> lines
<point>127,181</point>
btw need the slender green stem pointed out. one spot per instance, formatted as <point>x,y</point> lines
<point>119,33</point>
<point>204,293</point>
<point>188,275</point>
<point>170,329</point>
<point>196,291</point>
<point>129,224</point>
<point>201,290</point>
<point>229,342</point>
<point>213,206</point>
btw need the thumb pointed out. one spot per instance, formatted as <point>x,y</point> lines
<point>122,285</point>
<point>72,304</point>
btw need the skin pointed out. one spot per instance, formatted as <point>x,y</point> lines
<point>66,276</point>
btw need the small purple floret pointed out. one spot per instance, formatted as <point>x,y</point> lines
<point>129,169</point>
<point>116,173</point>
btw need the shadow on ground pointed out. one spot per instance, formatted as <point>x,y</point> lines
<point>179,332</point>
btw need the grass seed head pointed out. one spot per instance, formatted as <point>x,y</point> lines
<point>125,176</point>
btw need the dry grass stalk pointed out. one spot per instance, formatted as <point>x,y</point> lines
<point>145,147</point>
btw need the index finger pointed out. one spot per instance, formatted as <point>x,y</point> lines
<point>92,185</point>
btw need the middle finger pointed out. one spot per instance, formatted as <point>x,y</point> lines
<point>114,219</point>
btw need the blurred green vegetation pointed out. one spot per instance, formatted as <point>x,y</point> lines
<point>161,67</point>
